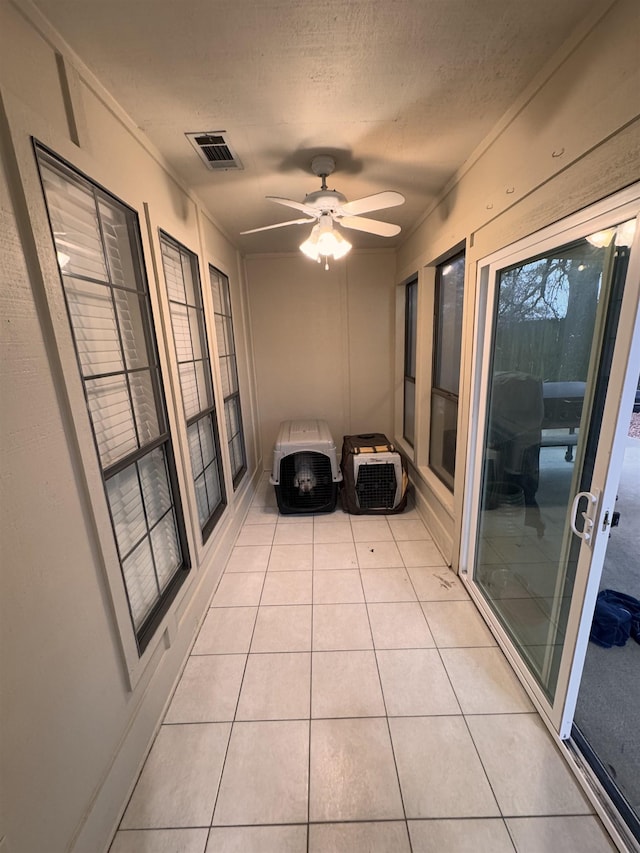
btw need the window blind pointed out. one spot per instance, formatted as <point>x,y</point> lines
<point>194,369</point>
<point>98,249</point>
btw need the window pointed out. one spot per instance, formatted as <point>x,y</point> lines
<point>410,320</point>
<point>447,342</point>
<point>99,254</point>
<point>228,372</point>
<point>194,365</point>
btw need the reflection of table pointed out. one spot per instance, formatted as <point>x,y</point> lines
<point>562,410</point>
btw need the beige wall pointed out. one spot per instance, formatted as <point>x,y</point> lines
<point>327,344</point>
<point>322,342</point>
<point>573,137</point>
<point>78,707</point>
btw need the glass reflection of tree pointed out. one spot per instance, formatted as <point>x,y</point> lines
<point>546,315</point>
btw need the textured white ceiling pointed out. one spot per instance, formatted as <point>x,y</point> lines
<point>399,91</point>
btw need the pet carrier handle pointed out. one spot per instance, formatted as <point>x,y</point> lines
<point>586,533</point>
<point>367,445</point>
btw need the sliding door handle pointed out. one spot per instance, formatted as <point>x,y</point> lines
<point>586,534</point>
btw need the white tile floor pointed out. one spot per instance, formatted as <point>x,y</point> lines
<point>344,695</point>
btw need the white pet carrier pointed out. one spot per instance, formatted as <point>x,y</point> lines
<point>305,471</point>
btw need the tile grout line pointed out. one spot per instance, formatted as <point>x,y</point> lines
<point>463,716</point>
<point>346,604</point>
<point>244,671</point>
<point>384,703</point>
<point>350,716</point>
<point>484,769</point>
<point>393,752</point>
<point>310,690</point>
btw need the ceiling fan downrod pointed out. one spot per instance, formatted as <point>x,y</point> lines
<point>322,166</point>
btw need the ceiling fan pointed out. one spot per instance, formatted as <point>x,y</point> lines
<point>327,207</point>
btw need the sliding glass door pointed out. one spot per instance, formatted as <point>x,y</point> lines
<point>546,407</point>
<point>605,725</point>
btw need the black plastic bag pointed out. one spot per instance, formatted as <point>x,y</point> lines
<point>616,618</point>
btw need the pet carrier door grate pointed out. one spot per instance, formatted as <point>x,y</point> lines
<point>374,475</point>
<point>376,486</point>
<point>306,484</point>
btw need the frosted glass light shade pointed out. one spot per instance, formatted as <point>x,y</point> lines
<point>325,242</point>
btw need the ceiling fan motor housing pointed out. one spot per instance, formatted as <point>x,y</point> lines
<point>325,199</point>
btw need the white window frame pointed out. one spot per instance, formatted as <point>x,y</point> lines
<point>410,360</point>
<point>227,351</point>
<point>436,391</point>
<point>207,410</point>
<point>138,642</point>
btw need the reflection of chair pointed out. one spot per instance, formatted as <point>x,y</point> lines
<point>562,410</point>
<point>515,432</point>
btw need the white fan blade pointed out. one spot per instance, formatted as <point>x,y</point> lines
<point>378,201</point>
<point>279,225</point>
<point>372,226</point>
<point>298,205</point>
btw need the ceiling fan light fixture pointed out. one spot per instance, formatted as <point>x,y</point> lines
<point>623,233</point>
<point>325,242</point>
<point>601,239</point>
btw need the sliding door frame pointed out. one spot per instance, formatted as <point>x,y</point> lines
<point>619,400</point>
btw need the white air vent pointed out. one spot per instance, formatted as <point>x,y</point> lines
<point>214,150</point>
